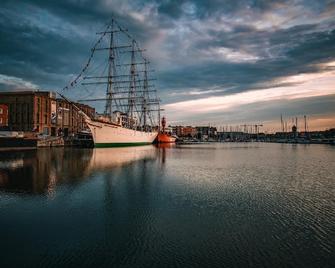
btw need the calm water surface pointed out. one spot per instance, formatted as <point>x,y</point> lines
<point>209,205</point>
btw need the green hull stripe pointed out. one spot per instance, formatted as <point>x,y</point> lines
<point>125,144</point>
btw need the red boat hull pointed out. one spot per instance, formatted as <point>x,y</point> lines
<point>165,138</point>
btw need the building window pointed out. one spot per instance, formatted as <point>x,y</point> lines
<point>38,104</point>
<point>1,111</point>
<point>46,131</point>
<point>28,119</point>
<point>10,115</point>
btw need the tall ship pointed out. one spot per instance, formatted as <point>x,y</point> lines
<point>118,70</point>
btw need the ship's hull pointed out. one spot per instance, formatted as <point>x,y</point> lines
<point>165,138</point>
<point>112,135</point>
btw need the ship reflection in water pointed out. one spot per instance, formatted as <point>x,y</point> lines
<point>201,205</point>
<point>106,158</point>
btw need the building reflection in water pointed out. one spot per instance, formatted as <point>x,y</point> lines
<point>40,171</point>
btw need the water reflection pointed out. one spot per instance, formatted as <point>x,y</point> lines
<point>234,205</point>
<point>163,148</point>
<point>106,158</point>
<point>40,171</point>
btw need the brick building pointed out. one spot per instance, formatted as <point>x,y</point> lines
<point>184,131</point>
<point>205,132</point>
<point>27,110</point>
<point>68,119</point>
<point>3,115</point>
<point>188,131</point>
<point>41,112</point>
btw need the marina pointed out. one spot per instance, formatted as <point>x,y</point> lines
<point>132,111</point>
<point>180,134</point>
<point>201,205</point>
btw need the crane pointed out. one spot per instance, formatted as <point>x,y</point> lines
<point>254,129</point>
<point>257,126</point>
<point>245,128</point>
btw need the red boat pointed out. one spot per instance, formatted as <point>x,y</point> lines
<point>163,136</point>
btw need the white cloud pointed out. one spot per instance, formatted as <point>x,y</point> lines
<point>230,55</point>
<point>311,85</point>
<point>16,82</point>
<point>284,16</point>
<point>199,91</point>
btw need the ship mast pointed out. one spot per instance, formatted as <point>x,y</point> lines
<point>121,79</point>
<point>109,90</point>
<point>145,94</point>
<point>132,86</point>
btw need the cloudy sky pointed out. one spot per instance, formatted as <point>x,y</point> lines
<point>218,62</point>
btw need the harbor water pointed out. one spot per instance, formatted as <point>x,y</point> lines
<point>205,205</point>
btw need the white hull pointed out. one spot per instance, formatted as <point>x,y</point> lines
<point>112,135</point>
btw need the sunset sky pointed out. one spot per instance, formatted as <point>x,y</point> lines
<point>217,62</point>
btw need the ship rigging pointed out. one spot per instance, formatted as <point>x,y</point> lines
<point>124,78</point>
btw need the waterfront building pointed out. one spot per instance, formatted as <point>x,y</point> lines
<point>184,131</point>
<point>188,131</point>
<point>206,132</point>
<point>177,130</point>
<point>28,110</point>
<point>169,130</point>
<point>199,132</point>
<point>67,118</point>
<point>234,136</point>
<point>41,112</point>
<point>173,130</point>
<point>3,115</point>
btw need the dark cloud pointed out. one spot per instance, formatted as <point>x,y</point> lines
<point>299,55</point>
<point>234,46</point>
<point>210,8</point>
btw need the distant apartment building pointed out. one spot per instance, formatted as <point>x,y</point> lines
<point>188,131</point>
<point>41,112</point>
<point>184,131</point>
<point>205,132</point>
<point>177,130</point>
<point>3,115</point>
